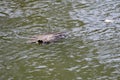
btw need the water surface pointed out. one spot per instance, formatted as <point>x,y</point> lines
<point>90,52</point>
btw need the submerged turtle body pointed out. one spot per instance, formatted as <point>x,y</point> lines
<point>47,38</point>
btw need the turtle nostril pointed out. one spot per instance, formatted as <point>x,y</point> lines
<point>46,42</point>
<point>40,41</point>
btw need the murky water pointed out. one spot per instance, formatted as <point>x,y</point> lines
<point>91,51</point>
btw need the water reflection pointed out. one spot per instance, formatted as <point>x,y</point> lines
<point>90,52</point>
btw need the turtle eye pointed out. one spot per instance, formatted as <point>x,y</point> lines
<point>40,41</point>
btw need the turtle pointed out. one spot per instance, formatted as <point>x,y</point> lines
<point>47,38</point>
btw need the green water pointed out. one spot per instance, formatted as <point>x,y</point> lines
<point>90,52</point>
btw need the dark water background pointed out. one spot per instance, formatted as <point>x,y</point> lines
<point>91,52</point>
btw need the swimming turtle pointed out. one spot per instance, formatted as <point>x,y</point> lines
<point>47,38</point>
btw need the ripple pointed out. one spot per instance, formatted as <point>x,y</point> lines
<point>40,67</point>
